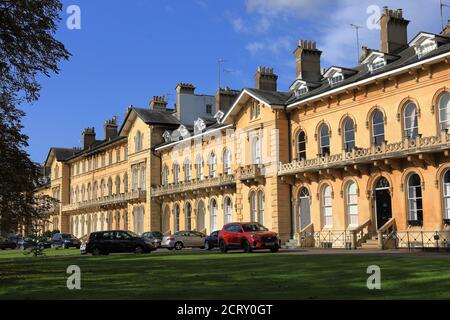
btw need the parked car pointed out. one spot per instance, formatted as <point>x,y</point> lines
<point>212,241</point>
<point>184,239</point>
<point>116,241</point>
<point>65,241</point>
<point>248,236</point>
<point>29,243</point>
<point>7,243</point>
<point>155,235</point>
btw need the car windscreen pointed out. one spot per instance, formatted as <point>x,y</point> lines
<point>254,227</point>
<point>131,233</point>
<point>157,234</point>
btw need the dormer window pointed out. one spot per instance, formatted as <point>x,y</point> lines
<point>424,43</point>
<point>166,136</point>
<point>199,125</point>
<point>219,115</point>
<point>336,79</point>
<point>377,64</point>
<point>301,91</point>
<point>426,47</point>
<point>334,75</point>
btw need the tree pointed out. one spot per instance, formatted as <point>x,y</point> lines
<point>27,49</point>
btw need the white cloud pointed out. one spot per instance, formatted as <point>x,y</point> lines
<point>273,46</point>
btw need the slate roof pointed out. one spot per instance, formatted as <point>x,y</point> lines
<point>150,116</point>
<point>406,57</point>
<point>271,97</point>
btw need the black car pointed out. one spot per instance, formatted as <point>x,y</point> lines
<point>6,243</point>
<point>65,240</point>
<point>106,242</point>
<point>155,235</point>
<point>29,243</point>
<point>212,241</point>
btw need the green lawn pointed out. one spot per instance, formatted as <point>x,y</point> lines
<point>199,275</point>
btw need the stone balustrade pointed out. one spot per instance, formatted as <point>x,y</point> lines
<point>131,196</point>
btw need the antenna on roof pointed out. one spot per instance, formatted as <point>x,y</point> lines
<point>442,6</point>
<point>356,27</point>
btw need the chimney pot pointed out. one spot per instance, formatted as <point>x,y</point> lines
<point>308,61</point>
<point>265,79</point>
<point>394,30</point>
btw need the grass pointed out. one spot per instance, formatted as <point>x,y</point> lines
<point>201,275</point>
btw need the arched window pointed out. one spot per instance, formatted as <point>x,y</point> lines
<point>261,201</point>
<point>94,223</point>
<point>89,192</point>
<point>212,163</point>
<point>138,141</point>
<point>213,211</point>
<point>125,220</point>
<point>253,207</point>
<point>349,134</point>
<point>200,216</point>
<point>165,179</point>
<point>117,219</point>
<point>125,182</point>
<point>102,188</point>
<point>301,145</point>
<point>117,185</point>
<point>352,204</point>
<point>176,215</point>
<point>378,128</point>
<point>138,220</point>
<point>82,226</point>
<point>102,221</point>
<point>226,161</point>
<point>187,170</point>
<point>176,173</point>
<point>415,208</point>
<point>199,165</point>
<point>83,193</point>
<point>95,190</point>
<point>228,210</point>
<point>446,194</point>
<point>135,179</point>
<point>110,187</point>
<point>324,140</point>
<point>77,194</point>
<point>444,111</point>
<point>411,128</point>
<point>188,216</point>
<point>304,209</point>
<point>256,151</point>
<point>143,184</point>
<point>109,220</point>
<point>327,209</point>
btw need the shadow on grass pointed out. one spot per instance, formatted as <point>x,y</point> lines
<point>200,275</point>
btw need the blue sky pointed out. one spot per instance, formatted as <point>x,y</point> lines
<point>128,51</point>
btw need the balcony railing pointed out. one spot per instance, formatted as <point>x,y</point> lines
<point>251,172</point>
<point>362,155</point>
<point>132,196</point>
<point>197,184</point>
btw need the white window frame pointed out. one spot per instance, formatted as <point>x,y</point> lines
<point>327,208</point>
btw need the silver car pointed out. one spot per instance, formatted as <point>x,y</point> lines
<point>184,239</point>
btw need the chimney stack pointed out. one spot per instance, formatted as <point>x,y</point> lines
<point>88,137</point>
<point>307,61</point>
<point>158,103</point>
<point>394,30</point>
<point>265,79</point>
<point>110,128</point>
<point>365,53</point>
<point>446,31</point>
<point>225,98</point>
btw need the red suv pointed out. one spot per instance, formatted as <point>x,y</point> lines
<point>248,236</point>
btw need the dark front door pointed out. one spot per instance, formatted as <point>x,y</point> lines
<point>383,206</point>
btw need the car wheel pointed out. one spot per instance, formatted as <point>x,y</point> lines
<point>170,249</point>
<point>138,250</point>
<point>96,252</point>
<point>178,246</point>
<point>275,249</point>
<point>223,247</point>
<point>207,246</point>
<point>247,247</point>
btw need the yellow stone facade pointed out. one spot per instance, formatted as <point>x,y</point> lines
<point>362,163</point>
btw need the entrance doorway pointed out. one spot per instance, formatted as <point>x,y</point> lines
<point>304,214</point>
<point>383,203</point>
